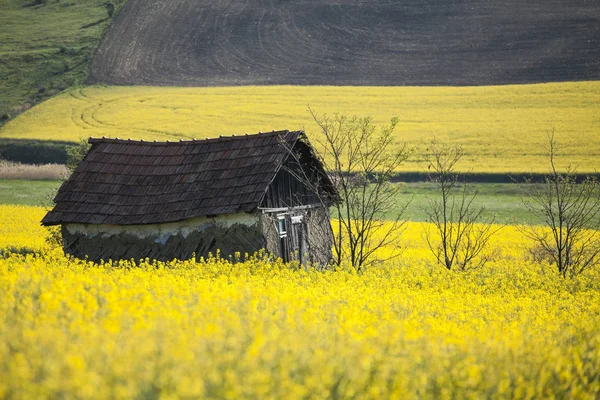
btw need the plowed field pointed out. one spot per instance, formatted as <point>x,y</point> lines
<point>350,42</point>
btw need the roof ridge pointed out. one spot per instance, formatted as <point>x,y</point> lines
<point>221,138</point>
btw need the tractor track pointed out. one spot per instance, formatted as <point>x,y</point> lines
<point>350,42</point>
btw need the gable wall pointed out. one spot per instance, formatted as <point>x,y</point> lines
<point>287,190</point>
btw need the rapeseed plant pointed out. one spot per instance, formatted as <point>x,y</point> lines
<point>260,329</point>
<point>500,127</point>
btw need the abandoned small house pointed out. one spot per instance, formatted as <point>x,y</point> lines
<point>163,200</point>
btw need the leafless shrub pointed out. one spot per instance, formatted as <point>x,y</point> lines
<point>571,210</point>
<point>460,233</point>
<point>360,160</point>
<point>11,170</point>
<point>539,254</point>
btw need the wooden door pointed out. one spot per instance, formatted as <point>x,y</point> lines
<point>292,237</point>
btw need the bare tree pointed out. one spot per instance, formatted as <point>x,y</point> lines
<point>360,160</point>
<point>460,231</point>
<point>572,212</point>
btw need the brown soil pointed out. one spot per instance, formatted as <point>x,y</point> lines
<point>350,42</point>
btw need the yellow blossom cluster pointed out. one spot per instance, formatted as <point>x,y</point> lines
<point>20,229</point>
<point>261,329</point>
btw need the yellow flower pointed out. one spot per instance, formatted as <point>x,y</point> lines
<point>403,329</point>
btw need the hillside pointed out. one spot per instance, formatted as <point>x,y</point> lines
<point>45,48</point>
<point>350,42</point>
<point>502,128</point>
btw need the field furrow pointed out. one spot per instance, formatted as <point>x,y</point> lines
<point>350,42</point>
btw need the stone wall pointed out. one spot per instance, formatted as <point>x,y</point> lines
<point>319,235</point>
<point>268,223</point>
<point>164,242</point>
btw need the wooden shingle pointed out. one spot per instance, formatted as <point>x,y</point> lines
<point>125,182</point>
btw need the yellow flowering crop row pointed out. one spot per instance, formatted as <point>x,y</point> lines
<point>260,329</point>
<point>502,128</point>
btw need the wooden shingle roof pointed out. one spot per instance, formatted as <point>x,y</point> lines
<point>126,182</point>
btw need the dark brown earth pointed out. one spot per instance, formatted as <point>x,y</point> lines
<point>350,42</point>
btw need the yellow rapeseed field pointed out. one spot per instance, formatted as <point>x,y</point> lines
<point>259,329</point>
<point>502,128</point>
<point>20,228</point>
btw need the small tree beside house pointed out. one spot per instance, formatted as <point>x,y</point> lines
<point>361,160</point>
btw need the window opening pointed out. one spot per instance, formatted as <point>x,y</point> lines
<point>282,225</point>
<point>283,237</point>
